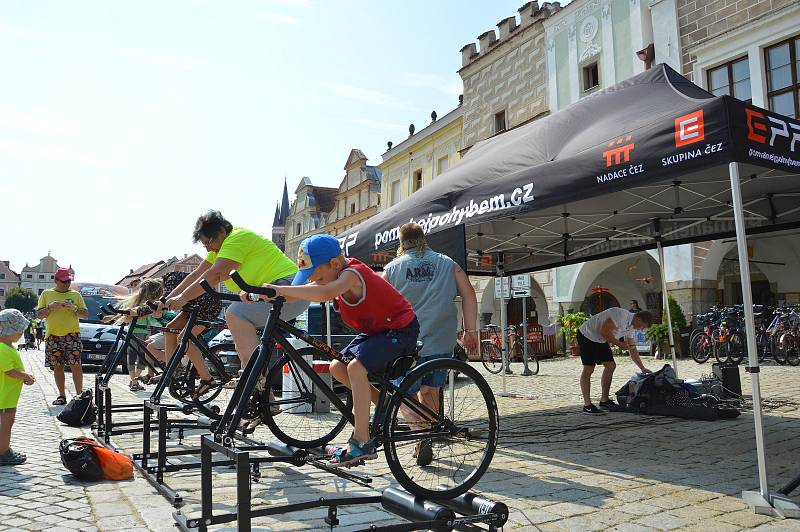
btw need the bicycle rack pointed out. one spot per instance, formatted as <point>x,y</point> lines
<point>466,512</point>
<point>105,427</point>
<point>164,425</point>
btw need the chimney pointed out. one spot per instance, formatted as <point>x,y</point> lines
<point>185,255</point>
<point>507,27</point>
<point>468,52</point>
<point>131,270</point>
<point>486,40</point>
<point>527,13</point>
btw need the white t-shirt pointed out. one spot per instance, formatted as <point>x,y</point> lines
<point>622,319</point>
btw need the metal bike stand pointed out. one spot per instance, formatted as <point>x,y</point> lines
<point>153,464</point>
<point>466,512</point>
<point>105,427</point>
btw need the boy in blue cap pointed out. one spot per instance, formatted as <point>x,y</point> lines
<point>369,304</point>
<point>12,376</point>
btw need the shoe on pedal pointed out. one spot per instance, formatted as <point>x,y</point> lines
<point>592,410</point>
<point>231,384</point>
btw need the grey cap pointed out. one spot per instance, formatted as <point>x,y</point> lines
<point>12,322</point>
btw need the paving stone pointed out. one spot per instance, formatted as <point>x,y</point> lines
<point>663,521</point>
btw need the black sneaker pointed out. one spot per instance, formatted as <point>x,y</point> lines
<point>608,405</point>
<point>424,452</point>
<point>592,410</point>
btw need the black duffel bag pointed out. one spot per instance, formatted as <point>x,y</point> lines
<point>80,411</point>
<point>80,459</point>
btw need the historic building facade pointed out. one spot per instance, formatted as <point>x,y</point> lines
<point>40,277</point>
<point>423,156</point>
<point>358,195</point>
<point>307,214</point>
<point>8,279</point>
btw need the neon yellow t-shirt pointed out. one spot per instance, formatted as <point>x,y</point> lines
<point>9,388</point>
<point>260,260</point>
<point>61,322</point>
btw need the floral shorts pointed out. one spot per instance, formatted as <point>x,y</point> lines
<point>63,350</point>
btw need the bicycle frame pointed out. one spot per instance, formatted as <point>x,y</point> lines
<point>271,336</point>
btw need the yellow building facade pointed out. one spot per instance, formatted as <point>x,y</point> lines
<point>421,158</point>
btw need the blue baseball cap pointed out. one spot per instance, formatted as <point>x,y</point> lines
<point>314,250</point>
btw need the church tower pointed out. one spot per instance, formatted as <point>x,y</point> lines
<point>279,221</point>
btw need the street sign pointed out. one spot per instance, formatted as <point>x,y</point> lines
<point>506,288</point>
<point>521,281</point>
<point>520,293</point>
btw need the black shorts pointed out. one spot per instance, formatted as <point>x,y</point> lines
<point>593,353</point>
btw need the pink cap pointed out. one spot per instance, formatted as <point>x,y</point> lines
<point>63,274</point>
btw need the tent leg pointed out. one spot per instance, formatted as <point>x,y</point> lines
<point>666,305</point>
<point>527,370</point>
<point>760,502</point>
<point>328,322</point>
<point>503,337</point>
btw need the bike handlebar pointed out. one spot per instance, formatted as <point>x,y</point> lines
<point>260,290</point>
<point>219,295</point>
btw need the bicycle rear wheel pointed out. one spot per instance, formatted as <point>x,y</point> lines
<point>186,380</point>
<point>299,415</point>
<point>792,349</point>
<point>463,436</point>
<point>701,348</point>
<point>736,348</point>
<point>533,364</point>
<point>491,357</point>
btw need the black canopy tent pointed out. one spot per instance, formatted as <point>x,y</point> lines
<point>653,161</point>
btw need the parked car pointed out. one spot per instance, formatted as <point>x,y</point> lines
<point>97,337</point>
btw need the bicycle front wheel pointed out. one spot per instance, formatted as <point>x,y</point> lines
<point>491,357</point>
<point>701,348</point>
<point>792,349</point>
<point>736,348</point>
<point>299,414</point>
<point>442,450</point>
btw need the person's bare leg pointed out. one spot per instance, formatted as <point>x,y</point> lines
<point>244,336</point>
<point>77,377</point>
<point>586,384</point>
<point>339,372</point>
<point>6,422</point>
<point>58,375</point>
<point>605,379</point>
<point>359,383</point>
<point>196,356</point>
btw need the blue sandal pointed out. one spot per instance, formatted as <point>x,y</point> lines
<point>354,454</point>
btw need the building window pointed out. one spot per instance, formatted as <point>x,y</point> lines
<point>52,277</point>
<point>2,276</point>
<point>395,197</point>
<point>41,276</point>
<point>732,79</point>
<point>442,165</point>
<point>783,77</point>
<point>29,276</point>
<point>416,184</point>
<point>352,208</point>
<point>2,291</point>
<point>591,77</point>
<point>299,229</point>
<point>499,122</point>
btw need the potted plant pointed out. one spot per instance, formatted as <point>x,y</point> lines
<point>570,323</point>
<point>658,336</point>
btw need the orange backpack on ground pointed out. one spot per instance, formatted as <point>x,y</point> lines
<point>115,466</point>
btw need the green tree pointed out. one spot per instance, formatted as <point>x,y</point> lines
<point>677,315</point>
<point>21,299</point>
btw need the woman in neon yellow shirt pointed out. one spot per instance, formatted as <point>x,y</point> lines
<point>258,260</point>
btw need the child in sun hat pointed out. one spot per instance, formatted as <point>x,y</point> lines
<point>12,376</point>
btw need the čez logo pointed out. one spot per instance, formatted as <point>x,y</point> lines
<point>689,128</point>
<point>619,154</point>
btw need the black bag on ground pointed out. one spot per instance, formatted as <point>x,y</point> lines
<point>80,459</point>
<point>80,411</point>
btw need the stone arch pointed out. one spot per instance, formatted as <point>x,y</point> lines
<point>714,258</point>
<point>589,272</point>
<point>487,303</point>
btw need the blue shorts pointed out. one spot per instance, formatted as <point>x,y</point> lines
<point>376,351</point>
<point>435,379</point>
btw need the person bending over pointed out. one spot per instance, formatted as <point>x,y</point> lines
<point>385,320</point>
<point>614,326</point>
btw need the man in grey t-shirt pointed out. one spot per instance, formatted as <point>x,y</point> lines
<point>430,282</point>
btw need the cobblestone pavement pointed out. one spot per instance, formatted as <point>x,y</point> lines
<point>556,468</point>
<point>42,495</point>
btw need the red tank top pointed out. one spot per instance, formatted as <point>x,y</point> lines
<point>381,306</point>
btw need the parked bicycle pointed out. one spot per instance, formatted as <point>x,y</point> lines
<point>307,412</point>
<point>492,349</point>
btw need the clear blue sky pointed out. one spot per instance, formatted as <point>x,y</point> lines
<point>121,121</point>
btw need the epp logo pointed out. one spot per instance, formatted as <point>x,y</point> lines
<point>689,128</point>
<point>621,153</point>
<point>756,125</point>
<point>346,241</point>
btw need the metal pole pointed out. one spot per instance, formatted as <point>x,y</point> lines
<point>503,325</point>
<point>526,371</point>
<point>750,324</point>
<point>666,304</point>
<point>328,321</point>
